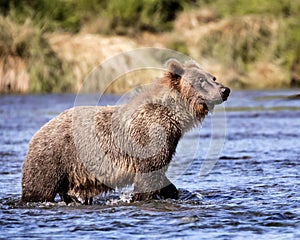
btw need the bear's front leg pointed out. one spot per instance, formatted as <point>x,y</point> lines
<point>169,191</point>
<point>153,186</point>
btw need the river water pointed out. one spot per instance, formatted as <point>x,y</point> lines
<point>253,191</point>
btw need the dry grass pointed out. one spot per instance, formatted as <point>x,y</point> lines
<point>240,50</point>
<point>248,51</point>
<point>27,62</point>
<point>13,73</point>
<point>84,52</point>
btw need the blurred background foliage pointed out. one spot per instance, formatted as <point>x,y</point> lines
<point>251,44</point>
<point>121,15</point>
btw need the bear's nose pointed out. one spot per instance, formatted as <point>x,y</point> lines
<point>225,92</point>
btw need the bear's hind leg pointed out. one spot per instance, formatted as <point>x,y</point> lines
<point>38,192</point>
<point>39,184</point>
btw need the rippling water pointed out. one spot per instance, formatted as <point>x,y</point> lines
<point>253,191</point>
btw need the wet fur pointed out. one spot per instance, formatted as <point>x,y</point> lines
<point>54,162</point>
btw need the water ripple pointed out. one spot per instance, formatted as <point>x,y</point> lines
<point>252,192</point>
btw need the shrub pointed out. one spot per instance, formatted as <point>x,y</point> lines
<point>124,16</point>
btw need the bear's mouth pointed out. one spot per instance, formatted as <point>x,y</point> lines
<point>220,97</point>
<point>212,103</point>
<point>210,106</point>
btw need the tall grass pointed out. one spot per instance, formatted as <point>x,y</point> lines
<point>256,42</point>
<point>36,68</point>
<point>279,8</point>
<point>119,16</point>
<point>255,38</point>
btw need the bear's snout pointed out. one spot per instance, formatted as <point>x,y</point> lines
<point>225,91</point>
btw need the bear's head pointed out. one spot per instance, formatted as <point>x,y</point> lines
<point>195,85</point>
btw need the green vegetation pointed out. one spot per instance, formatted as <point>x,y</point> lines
<point>253,40</point>
<point>179,46</point>
<point>122,17</point>
<point>256,34</point>
<point>26,42</point>
<point>284,8</point>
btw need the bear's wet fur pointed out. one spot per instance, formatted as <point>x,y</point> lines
<point>87,151</point>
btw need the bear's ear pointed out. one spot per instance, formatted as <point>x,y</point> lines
<point>175,67</point>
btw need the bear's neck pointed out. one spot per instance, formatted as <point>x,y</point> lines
<point>167,104</point>
<point>187,112</point>
<point>178,110</point>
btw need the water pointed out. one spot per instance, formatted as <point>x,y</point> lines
<point>253,191</point>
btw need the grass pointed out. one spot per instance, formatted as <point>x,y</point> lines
<point>121,17</point>
<point>179,46</point>
<point>250,44</point>
<point>26,43</point>
<point>257,41</point>
<point>282,8</point>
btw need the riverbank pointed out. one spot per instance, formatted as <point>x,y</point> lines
<point>252,49</point>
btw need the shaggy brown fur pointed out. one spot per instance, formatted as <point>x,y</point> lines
<point>86,151</point>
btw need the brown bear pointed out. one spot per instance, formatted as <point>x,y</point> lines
<point>86,151</point>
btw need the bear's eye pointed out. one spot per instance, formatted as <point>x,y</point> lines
<point>201,80</point>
